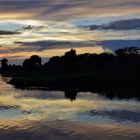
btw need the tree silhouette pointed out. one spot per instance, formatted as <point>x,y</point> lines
<point>85,70</point>
<point>55,60</point>
<point>70,56</point>
<point>128,51</point>
<point>71,53</point>
<point>26,63</point>
<point>4,64</point>
<point>33,62</point>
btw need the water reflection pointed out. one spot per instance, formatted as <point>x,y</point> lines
<point>44,114</point>
<point>118,115</point>
<point>72,93</point>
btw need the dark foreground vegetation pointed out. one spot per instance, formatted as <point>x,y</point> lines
<point>107,70</point>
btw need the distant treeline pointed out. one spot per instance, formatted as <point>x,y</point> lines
<point>119,68</point>
<point>123,60</point>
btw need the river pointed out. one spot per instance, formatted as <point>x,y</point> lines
<point>53,115</point>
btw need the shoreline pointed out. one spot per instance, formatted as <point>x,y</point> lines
<point>71,91</point>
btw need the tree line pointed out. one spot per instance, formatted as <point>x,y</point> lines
<point>124,60</point>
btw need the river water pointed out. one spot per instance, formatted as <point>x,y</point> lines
<point>53,115</point>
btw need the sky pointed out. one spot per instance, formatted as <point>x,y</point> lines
<point>59,25</point>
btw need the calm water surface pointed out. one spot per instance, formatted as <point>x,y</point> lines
<point>49,115</point>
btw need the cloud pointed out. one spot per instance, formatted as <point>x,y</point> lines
<point>52,44</point>
<point>47,49</point>
<point>40,46</point>
<point>8,33</point>
<point>131,24</point>
<point>66,9</point>
<point>117,44</point>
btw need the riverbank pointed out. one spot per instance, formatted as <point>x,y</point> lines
<point>106,70</point>
<point>77,80</point>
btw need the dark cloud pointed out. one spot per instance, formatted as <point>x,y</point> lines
<point>40,46</point>
<point>8,33</point>
<point>116,44</point>
<point>44,45</point>
<point>133,24</point>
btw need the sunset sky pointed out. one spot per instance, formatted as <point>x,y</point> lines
<point>58,25</point>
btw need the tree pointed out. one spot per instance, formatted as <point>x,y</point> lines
<point>128,51</point>
<point>4,64</point>
<point>33,62</point>
<point>26,63</point>
<point>70,56</point>
<point>55,60</point>
<point>71,53</point>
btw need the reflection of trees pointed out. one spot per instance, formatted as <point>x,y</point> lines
<point>120,68</point>
<point>120,93</point>
<point>71,94</point>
